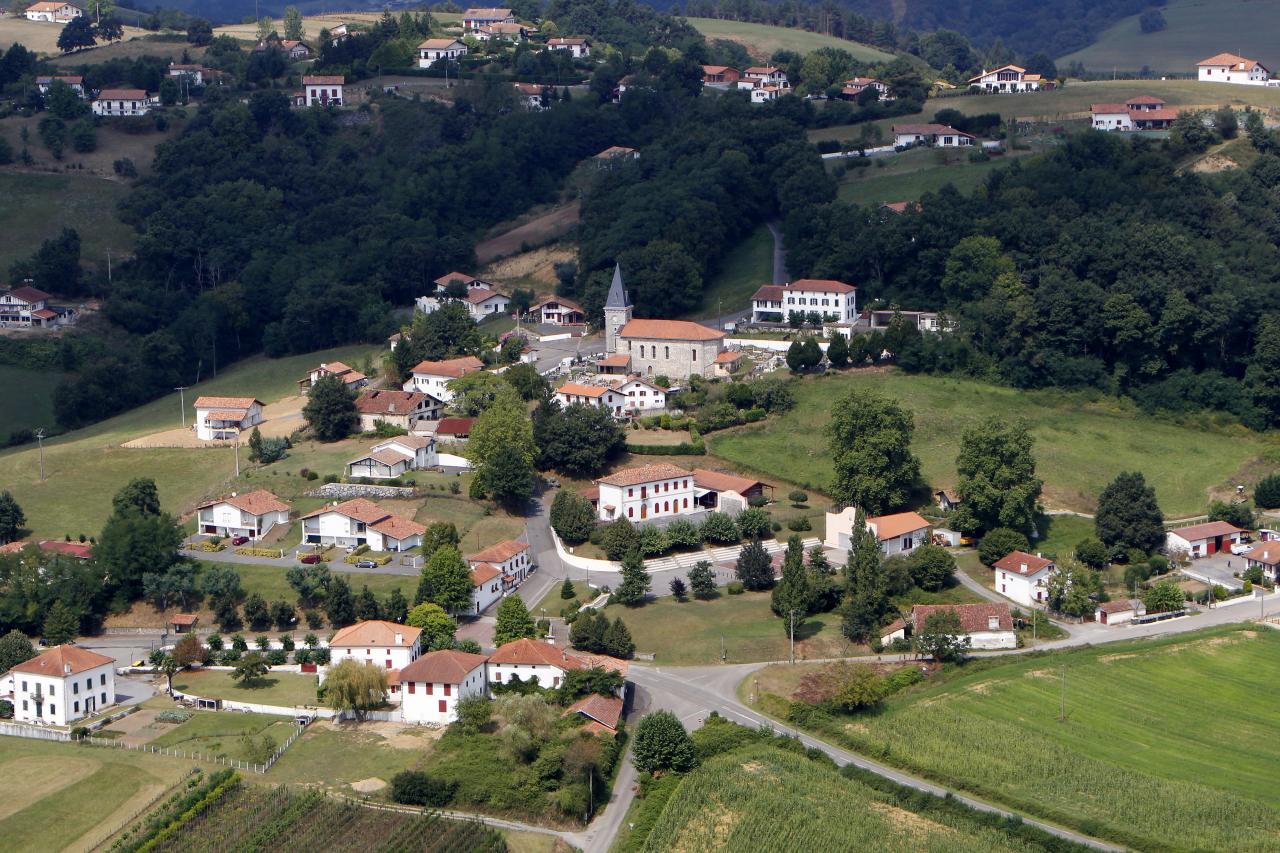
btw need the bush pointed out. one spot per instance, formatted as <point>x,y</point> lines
<point>999,543</point>
<point>798,498</point>
<point>415,788</point>
<point>1267,493</point>
<point>735,588</point>
<point>799,524</point>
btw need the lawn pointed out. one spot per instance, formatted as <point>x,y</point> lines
<point>552,602</point>
<point>35,207</point>
<point>224,732</point>
<point>747,265</point>
<point>35,389</point>
<point>1186,721</point>
<point>336,756</point>
<point>1082,441</point>
<point>1196,29</point>
<point>761,40</point>
<point>877,186</point>
<point>275,688</point>
<point>56,796</point>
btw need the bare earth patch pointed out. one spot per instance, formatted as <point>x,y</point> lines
<point>369,786</point>
<point>1214,163</point>
<point>910,822</point>
<point>544,229</point>
<point>537,265</point>
<point>139,727</point>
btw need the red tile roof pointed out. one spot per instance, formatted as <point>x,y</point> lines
<point>480,295</point>
<point>605,710</point>
<point>184,619</point>
<point>122,95</point>
<point>1022,563</point>
<point>1145,99</point>
<point>380,402</point>
<point>526,651</point>
<point>579,390</point>
<point>443,281</point>
<point>615,151</point>
<point>442,667</point>
<point>768,293</point>
<point>558,300</point>
<point>454,426</point>
<point>482,573</point>
<point>1267,553</point>
<point>973,617</point>
<point>63,660</point>
<point>821,285</point>
<point>361,509</point>
<point>29,294</point>
<point>1208,530</point>
<point>644,474</point>
<point>719,482</point>
<point>44,313</point>
<point>210,402</point>
<point>891,526</point>
<point>616,360</point>
<point>1122,606</point>
<point>728,357</point>
<point>929,130</point>
<point>452,367</point>
<point>499,552</point>
<point>79,550</point>
<point>1238,63</point>
<point>398,528</point>
<point>669,330</point>
<point>256,502</point>
<point>375,632</point>
<point>324,80</point>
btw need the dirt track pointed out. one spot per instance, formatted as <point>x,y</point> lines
<point>279,419</point>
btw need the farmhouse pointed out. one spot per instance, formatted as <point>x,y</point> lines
<point>529,659</point>
<point>509,557</point>
<point>1265,556</point>
<point>1008,79</point>
<point>360,522</point>
<point>641,396</point>
<point>982,626</point>
<point>470,281</point>
<point>386,645</point>
<point>1119,612</point>
<point>405,409</point>
<point>1230,68</point>
<point>122,102</point>
<point>763,93</point>
<point>720,76</point>
<point>76,83</point>
<point>394,457</point>
<point>763,75</point>
<point>648,491</point>
<point>930,135</point>
<point>194,75</point>
<point>295,50</point>
<point>323,90</point>
<point>432,50</point>
<point>730,493</point>
<point>531,95</point>
<point>602,397</point>
<point>433,377</point>
<point>483,303</point>
<point>432,685</point>
<point>350,377</point>
<point>52,13</point>
<point>855,87</point>
<point>224,418</point>
<point>558,311</point>
<point>615,154</point>
<point>946,500</point>
<point>727,363</point>
<point>834,300</point>
<point>579,48</point>
<point>474,19</point>
<point>27,307</point>
<point>486,586</point>
<point>1143,112</point>
<point>60,686</point>
<point>1203,540</point>
<point>1023,577</point>
<point>251,514</point>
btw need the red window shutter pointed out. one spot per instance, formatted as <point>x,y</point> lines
<point>410,686</point>
<point>429,686</point>
<point>447,689</point>
<point>443,706</point>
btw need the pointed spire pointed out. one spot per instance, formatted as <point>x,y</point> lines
<point>617,293</point>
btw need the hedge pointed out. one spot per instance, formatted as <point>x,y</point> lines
<point>684,448</point>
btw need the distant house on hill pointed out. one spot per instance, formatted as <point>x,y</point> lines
<point>251,514</point>
<point>1230,68</point>
<point>350,377</point>
<point>28,307</point>
<point>122,102</point>
<point>323,90</point>
<point>720,76</point>
<point>558,311</point>
<point>1143,112</point>
<point>1006,80</point>
<point>475,18</point>
<point>856,86</point>
<point>433,50</point>
<point>579,48</point>
<point>52,13</point>
<point>930,135</point>
<point>224,418</point>
<point>76,83</point>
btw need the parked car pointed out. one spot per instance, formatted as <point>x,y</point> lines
<point>367,564</point>
<point>239,540</point>
<point>309,559</point>
<point>1241,548</point>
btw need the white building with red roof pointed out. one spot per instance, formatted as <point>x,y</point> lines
<point>578,47</point>
<point>27,307</point>
<point>1007,80</point>
<point>1203,540</point>
<point>52,12</point>
<point>432,686</point>
<point>486,586</point>
<point>836,301</point>
<point>856,86</point>
<point>730,493</point>
<point>526,659</point>
<point>1142,112</point>
<point>224,418</point>
<point>930,135</point>
<point>251,514</point>
<point>433,377</point>
<point>122,102</point>
<point>475,18</point>
<point>599,396</point>
<point>1024,577</point>
<point>360,522</point>
<point>899,533</point>
<point>61,685</point>
<point>395,457</point>
<point>983,626</point>
<point>323,90</point>
<point>409,410</point>
<point>432,51</point>
<point>377,642</point>
<point>352,378</point>
<point>603,713</point>
<point>75,81</point>
<point>647,492</point>
<point>1230,68</point>
<point>510,557</point>
<point>558,311</point>
<point>1265,556</point>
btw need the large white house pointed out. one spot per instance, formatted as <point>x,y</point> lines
<point>1230,68</point>
<point>251,514</point>
<point>1143,112</point>
<point>763,75</point>
<point>834,300</point>
<point>600,396</point>
<point>526,659</point>
<point>475,18</point>
<point>75,81</point>
<point>1023,577</point>
<point>558,311</point>
<point>509,557</point>
<point>930,135</point>
<point>26,306</point>
<point>386,645</point>
<point>433,50</point>
<point>1203,540</point>
<point>432,685</point>
<point>360,522</point>
<point>394,457</point>
<point>481,303</point>
<point>900,533</point>
<point>486,586</point>
<point>642,396</point>
<point>52,13</point>
<point>122,102</point>
<point>224,418</point>
<point>648,491</point>
<point>62,685</point>
<point>408,410</point>
<point>433,377</point>
<point>1006,80</point>
<point>321,90</point>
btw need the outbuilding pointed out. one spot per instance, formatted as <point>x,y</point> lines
<point>1203,540</point>
<point>1119,612</point>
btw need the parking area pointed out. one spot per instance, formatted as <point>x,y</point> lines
<point>1218,569</point>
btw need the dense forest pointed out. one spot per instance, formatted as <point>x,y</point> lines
<point>1098,265</point>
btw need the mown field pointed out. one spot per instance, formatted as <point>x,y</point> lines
<point>761,40</point>
<point>1081,443</point>
<point>1166,743</point>
<point>1196,29</point>
<point>35,207</point>
<point>909,175</point>
<point>40,36</point>
<point>35,389</point>
<point>274,688</point>
<point>747,266</point>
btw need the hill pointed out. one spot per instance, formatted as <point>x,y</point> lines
<point>761,40</point>
<point>39,36</point>
<point>1195,29</point>
<point>35,207</point>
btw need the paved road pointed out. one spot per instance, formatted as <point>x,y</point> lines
<point>780,275</point>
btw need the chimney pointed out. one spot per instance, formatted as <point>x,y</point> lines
<point>1024,567</point>
<point>233,494</point>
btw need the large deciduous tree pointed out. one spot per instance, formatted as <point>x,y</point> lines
<point>997,484</point>
<point>662,744</point>
<point>578,441</point>
<point>12,518</point>
<point>446,581</point>
<point>870,441</point>
<point>754,568</point>
<point>514,621</point>
<point>331,409</point>
<point>355,687</point>
<point>572,517</point>
<point>438,627</point>
<point>1128,515</point>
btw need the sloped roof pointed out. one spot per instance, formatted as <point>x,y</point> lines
<point>454,426</point>
<point>618,297</point>
<point>398,528</point>
<point>122,95</point>
<point>526,651</point>
<point>444,667</point>
<point>29,294</point>
<point>79,550</point>
<point>605,710</point>
<point>324,80</point>
<point>890,526</point>
<point>1022,563</point>
<point>929,130</point>
<point>256,502</point>
<point>1208,530</point>
<point>480,295</point>
<point>669,330</point>
<point>1265,552</point>
<point>63,660</point>
<point>439,44</point>
<point>821,285</point>
<point>973,617</point>
<point>451,367</point>
<point>383,402</point>
<point>210,402</point>
<point>376,632</point>
<point>415,442</point>
<point>719,482</point>
<point>499,552</point>
<point>769,293</point>
<point>620,359</point>
<point>482,573</point>
<point>581,390</point>
<point>361,509</point>
<point>644,474</point>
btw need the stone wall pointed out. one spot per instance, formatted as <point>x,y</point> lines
<point>347,491</point>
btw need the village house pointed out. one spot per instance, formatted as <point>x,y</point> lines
<point>982,626</point>
<point>360,522</point>
<point>558,311</point>
<point>1007,79</point>
<point>251,515</point>
<point>880,319</point>
<point>295,50</point>
<point>1023,577</point>
<point>618,364</point>
<point>763,93</point>
<point>27,307</point>
<point>648,491</point>
<point>900,207</point>
<point>946,500</point>
<point>834,300</point>
<point>486,586</point>
<point>1265,556</point>
<point>1203,540</point>
<point>716,490</point>
<point>386,645</point>
<point>195,75</point>
<point>224,418</point>
<point>642,397</point>
<point>52,13</point>
<point>323,90</point>
<point>1143,112</point>
<point>728,363</point>
<point>1230,68</point>
<point>433,377</point>
<point>469,281</point>
<point>615,154</point>
<point>405,409</point>
<point>509,557</point>
<point>474,19</point>
<point>433,50</point>
<point>453,430</point>
<point>603,712</point>
<point>763,75</point>
<point>531,659</point>
<point>720,76</point>
<point>600,396</point>
<point>532,96</point>
<point>122,102</point>
<point>579,48</point>
<point>855,87</point>
<point>502,32</point>
<point>900,533</point>
<point>433,685</point>
<point>930,136</point>
<point>60,686</point>
<point>481,302</point>
<point>395,457</point>
<point>76,83</point>
<point>352,378</point>
<point>339,34</point>
<point>1119,612</point>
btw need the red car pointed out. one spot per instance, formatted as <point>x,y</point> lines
<point>309,559</point>
<point>239,540</point>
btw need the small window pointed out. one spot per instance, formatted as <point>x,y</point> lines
<point>444,706</point>
<point>430,688</point>
<point>77,707</point>
<point>448,689</point>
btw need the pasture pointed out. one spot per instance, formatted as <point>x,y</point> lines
<point>35,389</point>
<point>36,206</point>
<point>746,266</point>
<point>761,40</point>
<point>1082,440</point>
<point>41,36</point>
<point>1184,720</point>
<point>908,175</point>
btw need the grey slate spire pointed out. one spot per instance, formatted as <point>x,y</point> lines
<point>617,293</point>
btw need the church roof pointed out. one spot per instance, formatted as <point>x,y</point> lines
<point>617,293</point>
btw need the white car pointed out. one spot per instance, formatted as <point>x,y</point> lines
<point>1241,548</point>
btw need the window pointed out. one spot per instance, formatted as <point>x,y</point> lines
<point>104,698</point>
<point>686,503</point>
<point>51,690</point>
<point>75,687</point>
<point>430,688</point>
<point>629,492</point>
<point>411,685</point>
<point>444,707</point>
<point>630,512</point>
<point>77,707</point>
<point>666,352</point>
<point>24,686</point>
<point>695,354</point>
<point>447,689</point>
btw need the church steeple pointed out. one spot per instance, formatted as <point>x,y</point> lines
<point>617,293</point>
<point>617,310</point>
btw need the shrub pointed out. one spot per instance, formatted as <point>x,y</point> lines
<point>735,588</point>
<point>719,529</point>
<point>1267,493</point>
<point>999,543</point>
<point>798,498</point>
<point>416,788</point>
<point>757,501</point>
<point>799,524</point>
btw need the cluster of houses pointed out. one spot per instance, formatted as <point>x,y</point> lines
<point>765,82</point>
<point>494,25</point>
<point>1142,112</point>
<point>138,102</point>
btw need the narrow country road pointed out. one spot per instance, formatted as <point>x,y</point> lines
<point>779,254</point>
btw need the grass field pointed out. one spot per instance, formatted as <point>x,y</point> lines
<point>1080,444</point>
<point>747,266</point>
<point>1186,721</point>
<point>35,389</point>
<point>40,36</point>
<point>220,732</point>
<point>56,796</point>
<point>911,174</point>
<point>336,756</point>
<point>761,40</point>
<point>35,207</point>
<point>1196,29</point>
<point>275,688</point>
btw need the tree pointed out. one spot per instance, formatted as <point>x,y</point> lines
<point>617,640</point>
<point>793,594</point>
<point>255,445</point>
<point>620,538</point>
<point>355,687</point>
<point>870,440</point>
<point>702,580</point>
<point>588,631</point>
<point>311,582</point>
<point>109,29</point>
<point>339,604</point>
<point>678,588</point>
<point>867,596</point>
<point>199,31</point>
<point>474,713</point>
<point>331,409</point>
<point>15,648</point>
<point>798,498</point>
<point>1188,134</point>
<point>1164,597</point>
<point>661,743</point>
<point>168,666</point>
<point>440,533</point>
<point>578,441</point>
<point>932,567</point>
<point>635,581</point>
<point>132,544</point>
<point>1262,377</point>
<point>514,621</point>
<point>1069,588</point>
<point>1226,123</point>
<point>76,35</point>
<point>11,519</point>
<point>572,517</point>
<point>506,477</point>
<point>62,101</point>
<point>999,543</point>
<point>367,605</point>
<point>189,650</point>
<point>1128,515</point>
<point>140,495</point>
<point>1239,514</point>
<point>256,613</point>
<point>942,636</point>
<point>1266,494</point>
<point>857,688</point>
<point>753,523</point>
<point>1092,553</point>
<point>997,484</point>
<point>838,350</point>
<point>448,579</point>
<point>754,568</point>
<point>718,529</point>
<point>250,669</point>
<point>293,24</point>
<point>284,616</point>
<point>438,627</point>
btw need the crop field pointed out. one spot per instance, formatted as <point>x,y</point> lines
<point>35,207</point>
<point>1196,29</point>
<point>40,36</point>
<point>1184,720</point>
<point>761,40</point>
<point>1081,442</point>
<point>764,799</point>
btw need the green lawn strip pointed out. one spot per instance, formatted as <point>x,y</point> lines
<point>747,266</point>
<point>275,688</point>
<point>869,186</point>
<point>336,757</point>
<point>1082,441</point>
<point>270,583</point>
<point>552,602</point>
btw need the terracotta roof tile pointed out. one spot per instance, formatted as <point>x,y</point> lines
<point>256,502</point>
<point>526,651</point>
<point>382,402</point>
<point>398,528</point>
<point>891,526</point>
<point>442,667</point>
<point>454,426</point>
<point>63,660</point>
<point>973,617</point>
<point>720,482</point>
<point>1208,530</point>
<point>375,632</point>
<point>453,367</point>
<point>482,573</point>
<point>579,390</point>
<point>1267,553</point>
<point>669,330</point>
<point>210,402</point>
<point>605,710</point>
<point>644,474</point>
<point>499,552</point>
<point>1020,562</point>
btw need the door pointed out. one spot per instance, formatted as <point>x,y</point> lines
<point>644,510</point>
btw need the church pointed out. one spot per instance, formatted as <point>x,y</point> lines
<point>676,349</point>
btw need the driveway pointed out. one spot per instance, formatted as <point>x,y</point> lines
<point>550,353</point>
<point>1219,569</point>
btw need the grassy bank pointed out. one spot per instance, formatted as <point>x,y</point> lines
<point>35,207</point>
<point>761,40</point>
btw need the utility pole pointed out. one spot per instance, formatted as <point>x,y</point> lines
<point>1062,709</point>
<point>40,439</point>
<point>236,444</point>
<point>108,266</point>
<point>182,403</point>
<point>793,636</point>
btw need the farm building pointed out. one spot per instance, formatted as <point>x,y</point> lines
<point>1203,540</point>
<point>984,626</point>
<point>1119,612</point>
